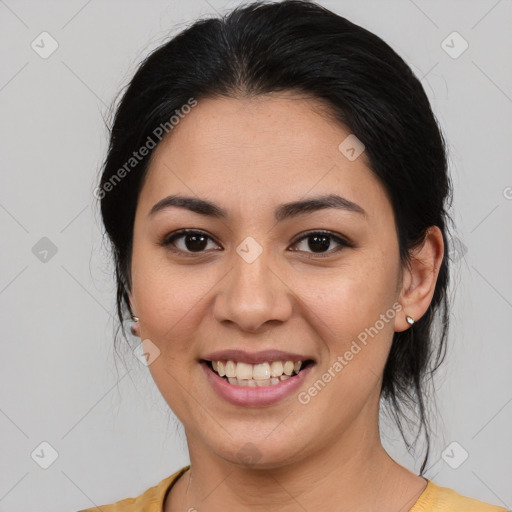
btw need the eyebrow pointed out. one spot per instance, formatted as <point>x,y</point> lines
<point>282,212</point>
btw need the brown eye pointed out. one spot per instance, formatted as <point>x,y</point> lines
<point>318,242</point>
<point>192,241</point>
<point>188,242</point>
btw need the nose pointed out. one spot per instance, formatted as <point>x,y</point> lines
<point>253,294</point>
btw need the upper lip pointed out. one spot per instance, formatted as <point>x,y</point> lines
<point>262,356</point>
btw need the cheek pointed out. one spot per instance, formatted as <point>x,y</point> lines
<point>164,295</point>
<point>174,302</point>
<point>353,317</point>
<point>169,305</point>
<point>171,311</point>
<point>351,298</point>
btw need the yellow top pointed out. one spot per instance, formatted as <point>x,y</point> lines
<point>432,499</point>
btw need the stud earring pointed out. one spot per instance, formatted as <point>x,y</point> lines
<point>410,319</point>
<point>132,328</point>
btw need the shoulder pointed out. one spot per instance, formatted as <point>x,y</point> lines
<point>443,499</point>
<point>151,500</point>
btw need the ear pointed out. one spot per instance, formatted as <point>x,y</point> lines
<point>135,328</point>
<point>420,278</point>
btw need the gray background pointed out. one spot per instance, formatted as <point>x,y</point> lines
<point>113,433</point>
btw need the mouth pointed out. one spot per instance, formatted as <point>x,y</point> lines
<point>268,373</point>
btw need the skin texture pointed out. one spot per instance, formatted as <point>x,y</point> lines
<point>248,156</point>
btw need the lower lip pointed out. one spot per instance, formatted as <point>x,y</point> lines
<point>249,396</point>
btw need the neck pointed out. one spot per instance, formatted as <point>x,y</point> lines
<point>352,473</point>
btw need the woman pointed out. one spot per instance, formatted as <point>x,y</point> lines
<point>275,192</point>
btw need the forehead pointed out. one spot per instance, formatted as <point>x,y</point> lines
<point>275,146</point>
<point>284,129</point>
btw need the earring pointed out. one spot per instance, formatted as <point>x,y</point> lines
<point>132,328</point>
<point>410,319</point>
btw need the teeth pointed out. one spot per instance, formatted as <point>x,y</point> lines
<point>244,371</point>
<point>230,369</point>
<point>276,369</point>
<point>260,371</point>
<point>288,368</point>
<point>263,374</point>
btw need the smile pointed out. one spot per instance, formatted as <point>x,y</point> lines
<point>254,375</point>
<point>255,385</point>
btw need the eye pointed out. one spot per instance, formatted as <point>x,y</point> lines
<point>194,241</point>
<point>321,240</point>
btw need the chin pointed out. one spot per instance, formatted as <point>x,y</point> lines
<point>261,453</point>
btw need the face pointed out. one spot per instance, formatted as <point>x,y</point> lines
<point>311,282</point>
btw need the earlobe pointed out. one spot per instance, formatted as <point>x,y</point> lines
<point>403,321</point>
<point>420,278</point>
<point>135,327</point>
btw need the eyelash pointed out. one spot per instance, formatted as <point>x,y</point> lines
<point>168,242</point>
